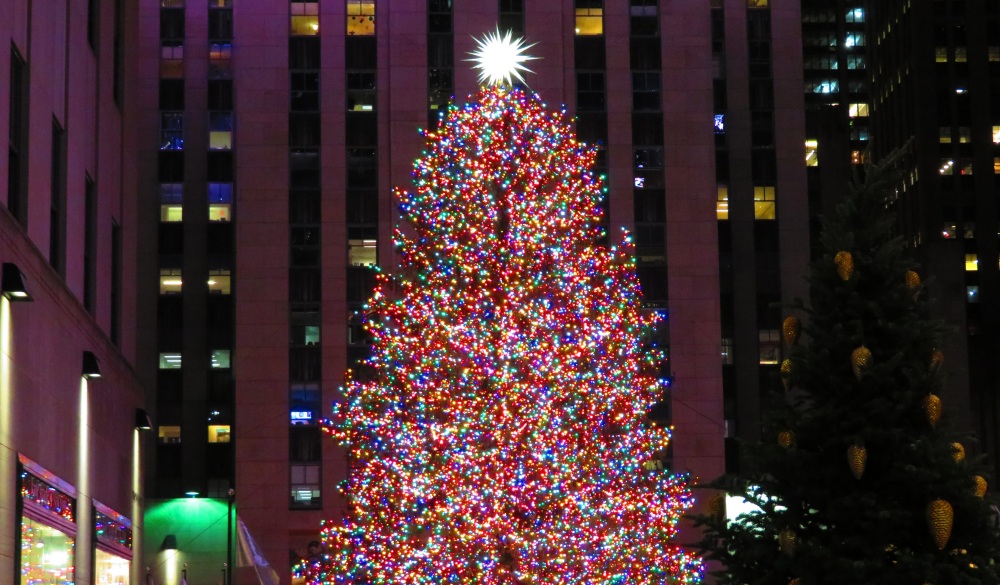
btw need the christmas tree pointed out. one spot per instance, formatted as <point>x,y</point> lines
<point>857,478</point>
<point>503,435</point>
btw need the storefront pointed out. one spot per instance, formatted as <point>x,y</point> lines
<point>48,527</point>
<point>113,547</point>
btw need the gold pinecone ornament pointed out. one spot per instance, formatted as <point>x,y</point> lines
<point>791,327</point>
<point>861,359</point>
<point>845,264</point>
<point>937,358</point>
<point>939,520</point>
<point>957,452</point>
<point>857,458</point>
<point>787,541</point>
<point>912,279</point>
<point>980,485</point>
<point>786,439</point>
<point>786,371</point>
<point>932,408</point>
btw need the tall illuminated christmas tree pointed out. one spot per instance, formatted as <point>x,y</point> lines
<point>503,436</point>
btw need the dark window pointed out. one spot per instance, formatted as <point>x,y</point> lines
<point>118,52</point>
<point>17,151</point>
<point>303,206</point>
<point>172,94</point>
<point>643,16</point>
<point>171,167</point>
<point>303,53</point>
<point>93,18</point>
<point>303,130</point>
<point>305,91</point>
<point>220,94</point>
<point>644,53</point>
<point>220,25</point>
<point>304,169</point>
<point>116,282</point>
<point>647,129</point>
<point>360,52</point>
<point>89,244</point>
<point>220,166</point>
<point>650,206</point>
<point>439,16</point>
<point>362,129</point>
<point>172,24</point>
<point>440,51</point>
<point>589,52</point>
<point>590,90</point>
<point>645,90</point>
<point>57,219</point>
<point>512,17</point>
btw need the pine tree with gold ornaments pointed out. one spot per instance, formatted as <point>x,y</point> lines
<point>876,487</point>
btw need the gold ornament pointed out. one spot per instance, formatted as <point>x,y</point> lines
<point>937,358</point>
<point>939,519</point>
<point>786,371</point>
<point>857,457</point>
<point>912,279</point>
<point>980,487</point>
<point>786,542</point>
<point>786,438</point>
<point>861,358</point>
<point>932,408</point>
<point>958,452</point>
<point>845,264</point>
<point>790,329</point>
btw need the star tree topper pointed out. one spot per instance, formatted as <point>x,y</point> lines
<point>499,58</point>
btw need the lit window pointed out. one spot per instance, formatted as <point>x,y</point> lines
<point>170,434</point>
<point>944,134</point>
<point>171,202</point>
<point>996,165</point>
<point>965,167</point>
<point>855,15</point>
<point>763,203</point>
<point>219,281</point>
<point>220,130</point>
<point>361,96</point>
<point>969,230</point>
<point>220,201</point>
<point>220,359</point>
<point>812,160</point>
<point>218,433</point>
<point>855,40</point>
<point>972,294</point>
<point>964,134</point>
<point>170,281</point>
<point>589,17</point>
<point>940,54</point>
<point>720,123</point>
<point>949,231</point>
<point>220,58</point>
<point>362,252</point>
<point>171,131</point>
<point>994,53</point>
<point>361,17</point>
<point>857,157</point>
<point>961,55</point>
<point>305,19</point>
<point>769,343</point>
<point>727,350</point>
<point>756,3</point>
<point>172,60</point>
<point>971,262</point>
<point>304,480</point>
<point>170,361</point>
<point>722,202</point>
<point>171,3</point>
<point>858,110</point>
<point>947,167</point>
<point>996,135</point>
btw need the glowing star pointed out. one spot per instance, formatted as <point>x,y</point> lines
<point>500,58</point>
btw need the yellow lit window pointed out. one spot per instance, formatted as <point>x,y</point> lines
<point>361,17</point>
<point>170,434</point>
<point>769,344</point>
<point>964,134</point>
<point>220,201</point>
<point>858,110</point>
<point>305,19</point>
<point>722,202</point>
<point>220,130</point>
<point>171,202</point>
<point>961,55</point>
<point>812,160</point>
<point>941,54</point>
<point>857,157</point>
<point>170,281</point>
<point>219,281</point>
<point>590,21</point>
<point>971,263</point>
<point>756,3</point>
<point>996,135</point>
<point>996,165</point>
<point>944,134</point>
<point>994,54</point>
<point>763,203</point>
<point>218,433</point>
<point>362,252</point>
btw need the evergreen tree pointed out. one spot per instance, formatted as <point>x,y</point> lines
<point>857,479</point>
<point>502,437</point>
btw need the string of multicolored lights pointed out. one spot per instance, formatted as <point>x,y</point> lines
<point>502,437</point>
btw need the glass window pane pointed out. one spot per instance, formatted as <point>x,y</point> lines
<point>46,555</point>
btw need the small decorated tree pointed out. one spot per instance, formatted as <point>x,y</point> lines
<point>857,478</point>
<point>503,437</point>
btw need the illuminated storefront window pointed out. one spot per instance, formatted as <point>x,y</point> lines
<point>48,530</point>
<point>113,554</point>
